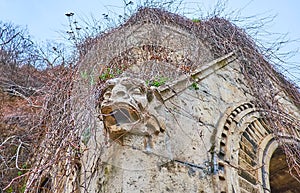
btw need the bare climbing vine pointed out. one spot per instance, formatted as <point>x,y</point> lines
<point>55,130</point>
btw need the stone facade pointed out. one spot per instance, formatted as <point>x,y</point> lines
<point>178,119</point>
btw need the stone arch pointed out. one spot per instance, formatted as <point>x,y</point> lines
<point>248,157</point>
<point>272,158</point>
<point>238,134</point>
<point>244,149</point>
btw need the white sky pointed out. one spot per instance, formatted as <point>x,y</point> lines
<point>45,19</point>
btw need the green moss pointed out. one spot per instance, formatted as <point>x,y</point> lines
<point>157,81</point>
<point>9,190</point>
<point>20,173</point>
<point>195,86</point>
<point>110,73</point>
<point>23,187</point>
<point>195,20</point>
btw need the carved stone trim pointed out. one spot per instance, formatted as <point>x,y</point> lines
<point>266,151</point>
<point>244,147</point>
<point>241,125</point>
<point>183,82</point>
<point>248,160</point>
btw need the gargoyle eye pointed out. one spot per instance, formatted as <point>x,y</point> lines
<point>136,91</point>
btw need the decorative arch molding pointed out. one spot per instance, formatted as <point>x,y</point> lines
<point>237,142</point>
<point>244,146</point>
<point>268,148</point>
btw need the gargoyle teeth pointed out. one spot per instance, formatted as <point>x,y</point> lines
<point>115,128</point>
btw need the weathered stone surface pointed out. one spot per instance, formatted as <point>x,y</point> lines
<point>186,135</point>
<point>195,129</point>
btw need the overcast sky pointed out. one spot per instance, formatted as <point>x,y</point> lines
<point>44,19</point>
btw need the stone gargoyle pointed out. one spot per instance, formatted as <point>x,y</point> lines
<point>131,112</point>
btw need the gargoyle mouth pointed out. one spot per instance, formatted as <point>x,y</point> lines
<point>119,114</point>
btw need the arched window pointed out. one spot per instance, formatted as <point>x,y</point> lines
<point>281,181</point>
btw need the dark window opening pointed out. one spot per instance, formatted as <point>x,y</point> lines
<point>281,181</point>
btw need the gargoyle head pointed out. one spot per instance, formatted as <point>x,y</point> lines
<point>127,109</point>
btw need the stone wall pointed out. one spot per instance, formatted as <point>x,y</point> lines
<point>175,119</point>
